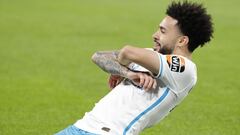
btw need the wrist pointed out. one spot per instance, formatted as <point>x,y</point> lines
<point>128,74</point>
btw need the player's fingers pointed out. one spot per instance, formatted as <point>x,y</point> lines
<point>146,81</point>
<point>154,84</point>
<point>118,81</point>
<point>150,84</point>
<point>112,84</point>
<point>110,80</point>
<point>142,79</point>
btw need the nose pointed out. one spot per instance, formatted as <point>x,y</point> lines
<point>155,35</point>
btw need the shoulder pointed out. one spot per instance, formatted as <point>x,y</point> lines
<point>179,73</point>
<point>178,63</point>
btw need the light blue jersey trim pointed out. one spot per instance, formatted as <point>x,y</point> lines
<point>146,111</point>
<point>73,130</point>
<point>160,66</point>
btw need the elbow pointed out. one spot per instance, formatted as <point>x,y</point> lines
<point>125,51</point>
<point>94,57</point>
<point>125,55</point>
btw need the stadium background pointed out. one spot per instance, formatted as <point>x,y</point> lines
<point>47,80</point>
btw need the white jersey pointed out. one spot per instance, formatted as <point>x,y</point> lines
<point>129,109</point>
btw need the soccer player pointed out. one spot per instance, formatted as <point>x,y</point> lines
<point>152,82</point>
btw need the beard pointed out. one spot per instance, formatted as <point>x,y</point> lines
<point>164,50</point>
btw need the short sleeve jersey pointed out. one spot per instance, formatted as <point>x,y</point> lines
<point>129,109</point>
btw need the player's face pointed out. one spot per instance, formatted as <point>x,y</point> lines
<point>166,37</point>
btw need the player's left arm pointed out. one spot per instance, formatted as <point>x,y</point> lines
<point>108,61</point>
<point>146,58</point>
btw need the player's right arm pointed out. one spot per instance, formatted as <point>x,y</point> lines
<point>107,61</point>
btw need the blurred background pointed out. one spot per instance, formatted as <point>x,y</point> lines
<point>47,79</point>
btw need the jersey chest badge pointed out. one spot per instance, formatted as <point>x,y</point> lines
<point>176,63</point>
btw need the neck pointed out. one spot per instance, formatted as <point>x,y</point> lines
<point>183,51</point>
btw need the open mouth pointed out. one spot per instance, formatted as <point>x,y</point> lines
<point>157,43</point>
<point>157,46</point>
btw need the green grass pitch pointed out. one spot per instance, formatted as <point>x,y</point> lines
<point>47,79</point>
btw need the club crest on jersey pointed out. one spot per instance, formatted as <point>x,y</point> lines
<point>176,63</point>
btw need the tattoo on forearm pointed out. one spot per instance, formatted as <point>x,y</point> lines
<point>108,62</point>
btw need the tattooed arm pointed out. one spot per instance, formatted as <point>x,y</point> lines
<point>107,61</point>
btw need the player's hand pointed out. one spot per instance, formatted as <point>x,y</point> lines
<point>114,80</point>
<point>142,79</point>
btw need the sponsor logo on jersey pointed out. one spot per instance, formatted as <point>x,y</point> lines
<point>106,129</point>
<point>176,63</point>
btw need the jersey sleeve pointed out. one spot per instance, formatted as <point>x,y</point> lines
<point>176,72</point>
<point>136,67</point>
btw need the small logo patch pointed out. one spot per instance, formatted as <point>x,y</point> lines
<point>176,63</point>
<point>106,129</point>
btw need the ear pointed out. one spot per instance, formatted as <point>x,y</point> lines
<point>183,41</point>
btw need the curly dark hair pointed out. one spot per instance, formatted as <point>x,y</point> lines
<point>193,21</point>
